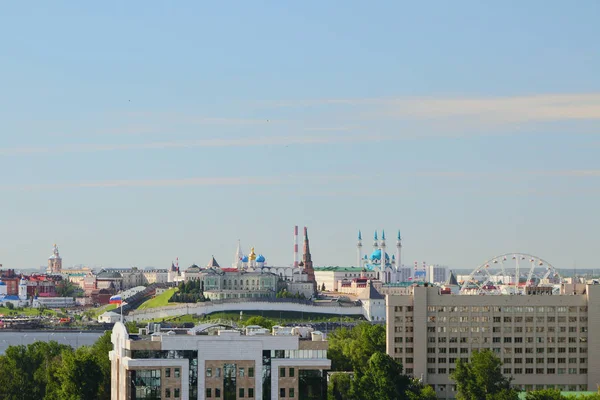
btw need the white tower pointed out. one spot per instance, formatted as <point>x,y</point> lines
<point>22,289</point>
<point>359,250</point>
<point>383,264</point>
<point>237,262</point>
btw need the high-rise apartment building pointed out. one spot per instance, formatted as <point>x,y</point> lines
<point>543,340</point>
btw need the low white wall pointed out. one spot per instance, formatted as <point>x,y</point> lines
<point>208,307</point>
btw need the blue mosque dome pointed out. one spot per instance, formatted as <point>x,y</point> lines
<point>245,259</point>
<point>376,255</point>
<point>260,258</point>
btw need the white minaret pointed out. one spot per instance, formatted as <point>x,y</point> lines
<point>359,250</point>
<point>398,253</point>
<point>383,263</point>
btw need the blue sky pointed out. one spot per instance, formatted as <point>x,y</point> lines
<point>131,134</point>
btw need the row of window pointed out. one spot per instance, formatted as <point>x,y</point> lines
<point>176,372</point>
<point>528,388</point>
<point>241,372</point>
<point>519,371</point>
<point>507,339</point>
<point>497,320</point>
<point>506,309</point>
<point>282,372</point>
<point>176,393</point>
<point>506,360</point>
<point>242,393</point>
<point>497,350</point>
<point>503,329</point>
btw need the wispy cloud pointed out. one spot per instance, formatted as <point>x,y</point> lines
<point>496,110</point>
<point>186,182</point>
<point>215,142</point>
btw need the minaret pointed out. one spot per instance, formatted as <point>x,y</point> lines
<point>383,263</point>
<point>398,252</point>
<point>375,241</point>
<point>307,261</point>
<point>359,250</point>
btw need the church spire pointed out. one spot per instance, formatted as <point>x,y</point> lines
<point>306,257</point>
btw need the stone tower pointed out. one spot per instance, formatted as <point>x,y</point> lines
<point>307,261</point>
<point>54,262</point>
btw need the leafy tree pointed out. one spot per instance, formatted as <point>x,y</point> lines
<point>340,387</point>
<point>131,327</point>
<point>79,376</point>
<point>65,288</point>
<point>99,351</point>
<point>349,349</point>
<point>482,378</point>
<point>383,379</point>
<point>545,394</point>
<point>261,321</point>
<point>418,391</point>
<point>10,306</point>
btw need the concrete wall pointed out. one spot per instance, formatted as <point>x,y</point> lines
<point>210,307</point>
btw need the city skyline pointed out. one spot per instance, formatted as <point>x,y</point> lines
<point>141,132</point>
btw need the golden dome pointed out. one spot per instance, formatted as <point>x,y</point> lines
<point>252,255</point>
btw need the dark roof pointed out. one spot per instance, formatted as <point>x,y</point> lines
<point>109,275</point>
<point>452,279</point>
<point>213,263</point>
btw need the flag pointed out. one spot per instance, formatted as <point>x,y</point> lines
<point>116,299</point>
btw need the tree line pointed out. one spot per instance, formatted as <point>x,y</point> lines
<point>53,371</point>
<point>191,291</point>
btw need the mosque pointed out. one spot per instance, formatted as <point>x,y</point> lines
<point>388,270</point>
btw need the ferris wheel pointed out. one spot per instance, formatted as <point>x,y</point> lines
<point>510,273</point>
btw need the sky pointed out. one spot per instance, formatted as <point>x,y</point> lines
<point>132,133</point>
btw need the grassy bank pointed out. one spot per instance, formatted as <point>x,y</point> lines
<point>159,301</point>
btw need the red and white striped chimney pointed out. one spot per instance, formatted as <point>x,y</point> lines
<point>296,246</point>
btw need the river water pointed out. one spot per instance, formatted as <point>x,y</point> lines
<point>72,338</point>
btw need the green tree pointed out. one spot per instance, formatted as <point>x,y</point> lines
<point>382,379</point>
<point>482,378</point>
<point>544,394</point>
<point>65,288</point>
<point>99,351</point>
<point>340,387</point>
<point>261,321</point>
<point>79,377</point>
<point>131,327</point>
<point>418,391</point>
<point>349,349</point>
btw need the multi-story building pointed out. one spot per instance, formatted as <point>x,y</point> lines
<point>436,274</point>
<point>225,364</point>
<point>543,340</point>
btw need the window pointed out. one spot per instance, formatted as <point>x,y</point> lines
<point>176,393</point>
<point>177,373</point>
<point>282,372</point>
<point>431,370</point>
<point>507,371</point>
<point>291,392</point>
<point>282,392</point>
<point>251,392</point>
<point>242,372</point>
<point>550,370</point>
<point>291,374</point>
<point>218,372</point>
<point>208,372</point>
<point>251,372</point>
<point>518,371</point>
<point>241,392</point>
<point>168,393</point>
<point>208,392</point>
<point>168,373</point>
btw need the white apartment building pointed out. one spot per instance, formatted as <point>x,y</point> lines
<point>212,363</point>
<point>543,340</point>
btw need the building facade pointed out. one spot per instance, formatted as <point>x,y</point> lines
<point>225,365</point>
<point>543,340</point>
